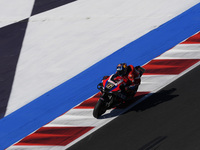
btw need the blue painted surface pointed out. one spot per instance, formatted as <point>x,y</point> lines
<point>64,97</point>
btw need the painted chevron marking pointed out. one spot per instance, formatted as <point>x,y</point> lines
<point>45,5</point>
<point>11,38</point>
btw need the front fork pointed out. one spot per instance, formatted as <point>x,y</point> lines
<point>107,99</point>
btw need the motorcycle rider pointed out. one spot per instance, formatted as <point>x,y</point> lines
<point>131,76</point>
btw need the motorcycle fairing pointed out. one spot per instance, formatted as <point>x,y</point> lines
<point>112,85</point>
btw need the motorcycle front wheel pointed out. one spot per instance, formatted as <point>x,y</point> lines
<point>99,109</point>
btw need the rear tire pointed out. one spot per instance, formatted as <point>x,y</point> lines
<point>99,109</point>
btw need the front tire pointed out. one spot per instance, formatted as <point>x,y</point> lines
<point>99,109</point>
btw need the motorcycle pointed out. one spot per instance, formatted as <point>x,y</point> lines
<point>113,92</point>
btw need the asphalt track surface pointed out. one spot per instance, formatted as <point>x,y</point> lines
<point>167,120</point>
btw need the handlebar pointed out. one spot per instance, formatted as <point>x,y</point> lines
<point>100,86</point>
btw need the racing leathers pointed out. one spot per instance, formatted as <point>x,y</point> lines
<point>132,80</point>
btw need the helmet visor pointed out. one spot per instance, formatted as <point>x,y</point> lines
<point>120,70</point>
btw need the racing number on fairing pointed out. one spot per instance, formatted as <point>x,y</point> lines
<point>110,85</point>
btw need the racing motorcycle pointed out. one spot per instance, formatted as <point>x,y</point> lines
<point>112,93</point>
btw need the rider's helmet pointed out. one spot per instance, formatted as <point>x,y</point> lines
<point>122,68</point>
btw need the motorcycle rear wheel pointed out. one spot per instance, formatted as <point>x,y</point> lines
<point>99,109</point>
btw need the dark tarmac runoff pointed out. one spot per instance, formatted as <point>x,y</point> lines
<point>167,120</point>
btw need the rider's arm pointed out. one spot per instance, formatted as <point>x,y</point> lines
<point>134,77</point>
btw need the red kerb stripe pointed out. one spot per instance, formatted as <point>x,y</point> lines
<point>168,66</point>
<point>195,39</point>
<point>54,136</point>
<point>89,103</point>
